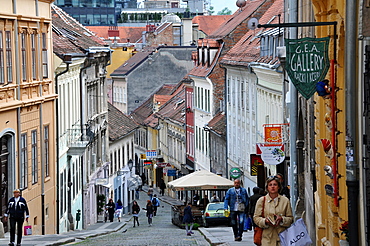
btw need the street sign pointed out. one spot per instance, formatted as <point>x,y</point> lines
<point>171,172</point>
<point>102,181</point>
<point>235,172</point>
<point>151,154</point>
<point>143,156</point>
<point>307,62</point>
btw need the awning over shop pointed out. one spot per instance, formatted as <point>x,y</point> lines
<point>201,180</point>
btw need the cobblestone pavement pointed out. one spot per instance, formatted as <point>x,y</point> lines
<point>163,232</point>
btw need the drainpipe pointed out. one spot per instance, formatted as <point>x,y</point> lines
<point>293,108</point>
<point>67,60</point>
<point>42,145</point>
<point>352,149</point>
<point>87,64</point>
<point>18,95</point>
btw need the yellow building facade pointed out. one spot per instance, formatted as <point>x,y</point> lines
<point>331,210</point>
<point>27,109</point>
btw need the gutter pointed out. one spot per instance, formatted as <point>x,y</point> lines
<point>67,60</point>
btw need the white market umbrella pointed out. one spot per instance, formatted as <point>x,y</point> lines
<point>201,180</point>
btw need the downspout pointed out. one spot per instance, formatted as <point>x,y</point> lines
<point>57,136</point>
<point>293,108</point>
<point>82,109</point>
<point>352,149</point>
<point>42,144</point>
<point>18,94</point>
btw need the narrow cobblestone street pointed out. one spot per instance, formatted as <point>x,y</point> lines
<point>163,232</point>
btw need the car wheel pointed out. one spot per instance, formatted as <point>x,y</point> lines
<point>206,225</point>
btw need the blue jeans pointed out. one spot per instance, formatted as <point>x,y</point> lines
<point>237,222</point>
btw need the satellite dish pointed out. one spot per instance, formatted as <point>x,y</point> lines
<point>252,23</point>
<point>241,3</point>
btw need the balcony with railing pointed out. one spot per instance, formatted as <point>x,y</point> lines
<point>77,140</point>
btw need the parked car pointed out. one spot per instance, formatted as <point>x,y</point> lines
<point>215,214</point>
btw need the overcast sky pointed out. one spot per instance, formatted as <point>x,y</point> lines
<point>221,4</point>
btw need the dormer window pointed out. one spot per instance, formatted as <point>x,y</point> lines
<point>270,40</point>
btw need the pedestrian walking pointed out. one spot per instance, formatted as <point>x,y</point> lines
<point>188,219</point>
<point>110,207</point>
<point>149,212</point>
<point>119,208</point>
<point>237,199</point>
<point>156,204</point>
<point>284,191</point>
<point>162,186</point>
<point>252,203</point>
<point>150,192</point>
<point>273,212</point>
<point>16,208</point>
<point>137,194</point>
<point>135,212</point>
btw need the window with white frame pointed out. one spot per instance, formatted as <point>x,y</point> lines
<point>46,151</point>
<point>9,57</point>
<point>34,156</point>
<point>23,168</point>
<point>44,56</point>
<point>33,56</point>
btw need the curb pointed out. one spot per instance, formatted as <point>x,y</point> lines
<point>211,239</point>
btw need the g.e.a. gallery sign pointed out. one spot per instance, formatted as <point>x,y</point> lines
<point>307,63</point>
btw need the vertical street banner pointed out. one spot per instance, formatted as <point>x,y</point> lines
<point>307,62</point>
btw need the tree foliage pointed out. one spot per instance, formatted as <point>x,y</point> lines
<point>225,11</point>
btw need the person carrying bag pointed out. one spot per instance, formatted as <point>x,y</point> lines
<point>273,213</point>
<point>297,233</point>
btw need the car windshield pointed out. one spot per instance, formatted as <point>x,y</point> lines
<point>215,206</point>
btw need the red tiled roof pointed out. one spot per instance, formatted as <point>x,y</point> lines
<point>218,123</point>
<point>174,109</point>
<point>209,23</point>
<point>202,71</point>
<point>69,36</point>
<point>248,48</point>
<point>235,20</point>
<point>125,33</point>
<point>161,99</point>
<point>119,124</point>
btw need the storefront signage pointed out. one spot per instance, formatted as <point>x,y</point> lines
<point>307,62</point>
<point>273,155</point>
<point>256,161</point>
<point>235,173</point>
<point>171,172</point>
<point>273,134</point>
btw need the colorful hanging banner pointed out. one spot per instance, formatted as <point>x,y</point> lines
<point>307,62</point>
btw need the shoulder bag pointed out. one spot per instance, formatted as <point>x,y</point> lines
<point>258,230</point>
<point>241,205</point>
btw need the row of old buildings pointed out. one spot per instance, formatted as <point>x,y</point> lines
<point>84,117</point>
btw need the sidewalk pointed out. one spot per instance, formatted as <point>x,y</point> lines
<point>214,235</point>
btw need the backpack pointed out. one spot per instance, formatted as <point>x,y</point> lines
<point>154,202</point>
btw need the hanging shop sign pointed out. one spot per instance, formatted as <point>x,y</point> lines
<point>235,173</point>
<point>256,161</point>
<point>271,154</point>
<point>307,62</point>
<point>273,134</point>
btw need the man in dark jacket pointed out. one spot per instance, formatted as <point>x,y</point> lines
<point>16,208</point>
<point>252,202</point>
